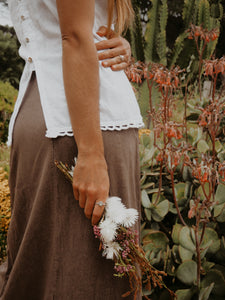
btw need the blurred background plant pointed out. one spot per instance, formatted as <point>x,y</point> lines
<point>5,211</point>
<point>160,35</point>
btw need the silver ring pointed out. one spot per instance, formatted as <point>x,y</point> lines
<point>100,203</point>
<point>122,58</point>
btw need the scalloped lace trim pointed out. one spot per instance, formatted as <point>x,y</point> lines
<point>119,127</point>
<point>122,126</point>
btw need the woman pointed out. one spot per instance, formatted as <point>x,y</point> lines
<point>72,107</point>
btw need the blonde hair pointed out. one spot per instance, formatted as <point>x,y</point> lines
<point>124,11</point>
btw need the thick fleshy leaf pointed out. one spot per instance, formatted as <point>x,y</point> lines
<point>185,239</point>
<point>145,199</point>
<point>211,238</point>
<point>162,208</point>
<point>184,294</point>
<point>176,255</point>
<point>220,194</point>
<point>218,209</point>
<point>187,173</point>
<point>207,265</point>
<point>147,155</point>
<point>176,232</point>
<point>148,213</point>
<point>187,272</point>
<point>155,240</point>
<point>202,146</point>
<point>188,189</point>
<point>221,217</point>
<point>173,209</point>
<point>157,199</point>
<point>148,185</point>
<point>218,146</point>
<point>179,190</point>
<point>201,193</point>
<point>220,255</point>
<point>216,277</point>
<point>205,292</point>
<point>184,253</point>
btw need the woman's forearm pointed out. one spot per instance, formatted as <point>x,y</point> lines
<point>81,79</point>
<point>81,82</point>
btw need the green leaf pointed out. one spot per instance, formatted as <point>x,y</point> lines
<point>179,190</point>
<point>201,193</point>
<point>147,155</point>
<point>205,292</point>
<point>216,277</point>
<point>221,217</point>
<point>145,199</point>
<point>148,214</point>
<point>176,256</point>
<point>218,146</point>
<point>184,294</point>
<point>187,272</point>
<point>202,146</point>
<point>188,190</point>
<point>184,253</point>
<point>211,236</point>
<point>218,209</point>
<point>187,173</point>
<point>185,239</point>
<point>155,196</point>
<point>155,241</point>
<point>176,232</point>
<point>207,265</point>
<point>162,208</point>
<point>220,194</point>
<point>159,212</point>
<point>148,185</point>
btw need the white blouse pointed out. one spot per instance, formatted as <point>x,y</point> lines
<point>37,27</point>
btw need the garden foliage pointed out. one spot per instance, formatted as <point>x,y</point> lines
<point>183,175</point>
<point>154,43</point>
<point>8,96</point>
<point>5,212</point>
<point>11,65</point>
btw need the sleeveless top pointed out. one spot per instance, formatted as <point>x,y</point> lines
<point>37,27</point>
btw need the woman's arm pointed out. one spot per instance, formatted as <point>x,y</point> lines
<point>81,81</point>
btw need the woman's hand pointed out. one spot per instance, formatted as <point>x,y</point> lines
<point>91,184</point>
<point>116,50</point>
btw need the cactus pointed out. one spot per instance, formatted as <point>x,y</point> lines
<point>152,46</point>
<point>199,13</point>
<point>155,35</point>
<point>135,35</point>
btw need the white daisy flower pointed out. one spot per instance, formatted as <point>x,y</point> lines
<point>131,217</point>
<point>115,210</point>
<point>108,230</point>
<point>111,250</point>
<point>118,213</point>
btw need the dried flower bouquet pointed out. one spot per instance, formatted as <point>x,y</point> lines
<point>120,243</point>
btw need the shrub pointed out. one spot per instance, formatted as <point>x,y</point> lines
<point>5,212</point>
<point>8,96</point>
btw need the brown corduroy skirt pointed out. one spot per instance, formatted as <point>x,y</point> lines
<point>52,252</point>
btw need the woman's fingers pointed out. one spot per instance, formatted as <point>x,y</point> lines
<point>103,31</point>
<point>115,51</point>
<point>119,67</point>
<point>98,211</point>
<point>112,53</point>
